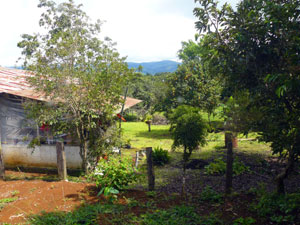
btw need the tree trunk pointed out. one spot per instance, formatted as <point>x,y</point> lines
<point>61,161</point>
<point>83,154</point>
<point>229,164</point>
<point>150,171</point>
<point>284,174</point>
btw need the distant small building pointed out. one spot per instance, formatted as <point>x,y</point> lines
<point>16,131</point>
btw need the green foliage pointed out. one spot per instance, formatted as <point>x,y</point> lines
<point>210,195</point>
<point>160,156</point>
<point>150,89</point>
<point>131,117</point>
<point>193,83</point>
<point>188,129</point>
<point>219,167</point>
<point>244,221</point>
<point>216,167</point>
<point>257,47</point>
<point>4,201</point>
<point>81,76</point>
<point>86,214</point>
<point>179,215</point>
<point>114,174</point>
<point>279,208</point>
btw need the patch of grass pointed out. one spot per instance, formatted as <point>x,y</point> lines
<point>140,138</point>
<point>86,214</point>
<point>5,201</point>
<point>178,215</point>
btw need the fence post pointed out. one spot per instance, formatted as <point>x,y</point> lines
<point>150,170</point>
<point>61,161</point>
<point>229,164</point>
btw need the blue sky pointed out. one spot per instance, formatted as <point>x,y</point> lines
<point>144,30</point>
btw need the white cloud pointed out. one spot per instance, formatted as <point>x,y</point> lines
<point>145,30</point>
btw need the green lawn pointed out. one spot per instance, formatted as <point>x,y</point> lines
<point>140,137</point>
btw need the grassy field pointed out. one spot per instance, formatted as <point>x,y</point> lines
<point>140,138</point>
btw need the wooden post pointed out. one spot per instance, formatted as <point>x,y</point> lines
<point>229,164</point>
<point>137,159</point>
<point>61,161</point>
<point>2,168</point>
<point>149,125</point>
<point>150,170</point>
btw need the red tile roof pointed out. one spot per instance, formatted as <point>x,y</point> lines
<point>13,81</point>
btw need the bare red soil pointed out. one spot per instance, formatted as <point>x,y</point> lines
<point>34,196</point>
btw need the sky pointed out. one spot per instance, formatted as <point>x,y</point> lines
<point>144,30</point>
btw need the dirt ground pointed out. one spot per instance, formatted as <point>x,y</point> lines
<point>34,196</point>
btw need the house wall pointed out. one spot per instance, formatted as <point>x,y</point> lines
<point>43,156</point>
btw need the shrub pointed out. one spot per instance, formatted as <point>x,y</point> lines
<point>115,173</point>
<point>160,156</point>
<point>178,215</point>
<point>279,208</point>
<point>219,167</point>
<point>159,119</point>
<point>131,117</point>
<point>210,195</point>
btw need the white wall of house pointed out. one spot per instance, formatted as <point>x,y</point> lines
<point>43,156</point>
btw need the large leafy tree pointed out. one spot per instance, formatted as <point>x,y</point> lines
<point>81,75</point>
<point>195,83</point>
<point>260,47</point>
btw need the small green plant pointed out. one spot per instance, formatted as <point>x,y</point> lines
<point>244,221</point>
<point>131,202</point>
<point>160,156</point>
<point>4,201</point>
<point>114,174</point>
<point>151,194</point>
<point>210,195</point>
<point>218,167</point>
<point>14,193</point>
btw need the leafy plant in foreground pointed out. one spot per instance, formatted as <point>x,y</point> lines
<point>210,195</point>
<point>279,208</point>
<point>114,174</point>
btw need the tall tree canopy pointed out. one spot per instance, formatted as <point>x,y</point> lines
<point>80,74</point>
<point>259,46</point>
<point>194,83</point>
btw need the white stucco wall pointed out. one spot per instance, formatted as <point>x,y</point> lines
<point>43,156</point>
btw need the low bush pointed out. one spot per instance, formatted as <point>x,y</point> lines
<point>159,119</point>
<point>160,156</point>
<point>178,215</point>
<point>218,167</point>
<point>210,195</point>
<point>131,117</point>
<point>115,173</point>
<point>281,209</point>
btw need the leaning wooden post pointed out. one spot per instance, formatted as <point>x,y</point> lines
<point>137,159</point>
<point>2,168</point>
<point>150,170</point>
<point>229,164</point>
<point>61,161</point>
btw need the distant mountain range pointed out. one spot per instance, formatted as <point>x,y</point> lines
<point>149,67</point>
<point>155,67</point>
